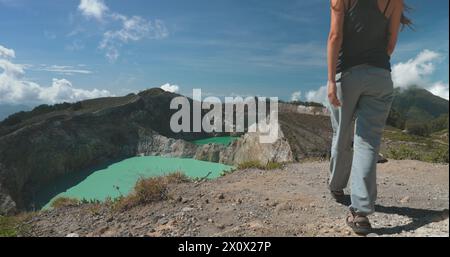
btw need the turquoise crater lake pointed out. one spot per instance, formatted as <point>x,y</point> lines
<point>119,178</point>
<point>216,140</point>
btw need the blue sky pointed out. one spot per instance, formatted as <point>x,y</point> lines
<point>225,47</point>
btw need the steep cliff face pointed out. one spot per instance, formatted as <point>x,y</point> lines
<point>308,135</point>
<point>157,145</point>
<point>247,148</point>
<point>250,148</point>
<point>7,205</point>
<point>211,153</point>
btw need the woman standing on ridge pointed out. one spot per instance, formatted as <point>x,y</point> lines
<point>362,38</point>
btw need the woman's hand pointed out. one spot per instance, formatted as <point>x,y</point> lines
<point>332,94</point>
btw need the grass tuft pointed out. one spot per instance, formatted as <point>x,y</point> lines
<point>148,190</point>
<point>64,202</point>
<point>14,226</point>
<point>258,165</point>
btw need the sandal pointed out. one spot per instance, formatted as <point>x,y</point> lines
<point>360,224</point>
<point>338,195</point>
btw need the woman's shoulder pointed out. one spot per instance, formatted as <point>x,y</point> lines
<point>338,5</point>
<point>342,5</point>
<point>394,6</point>
<point>396,3</point>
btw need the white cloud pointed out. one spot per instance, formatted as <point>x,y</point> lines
<point>14,88</point>
<point>296,96</point>
<point>10,69</point>
<point>170,88</point>
<point>317,96</point>
<point>440,89</point>
<point>93,8</point>
<point>417,72</point>
<point>130,29</point>
<point>66,70</point>
<point>133,29</point>
<point>62,90</point>
<point>6,53</point>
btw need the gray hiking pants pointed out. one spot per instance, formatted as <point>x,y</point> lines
<point>366,93</point>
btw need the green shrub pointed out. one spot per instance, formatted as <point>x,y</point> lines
<point>148,190</point>
<point>439,156</point>
<point>418,129</point>
<point>90,201</point>
<point>433,154</point>
<point>177,178</point>
<point>273,166</point>
<point>249,165</point>
<point>403,153</point>
<point>8,226</point>
<point>396,119</point>
<point>64,202</point>
<point>227,172</point>
<point>77,106</point>
<point>439,124</point>
<point>258,165</point>
<point>13,226</point>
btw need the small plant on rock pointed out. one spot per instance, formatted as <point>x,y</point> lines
<point>64,202</point>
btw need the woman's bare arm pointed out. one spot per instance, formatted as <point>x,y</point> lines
<point>335,40</point>
<point>335,36</point>
<point>394,26</point>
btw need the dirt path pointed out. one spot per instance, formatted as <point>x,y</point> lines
<point>293,201</point>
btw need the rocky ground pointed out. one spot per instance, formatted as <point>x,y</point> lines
<point>293,201</point>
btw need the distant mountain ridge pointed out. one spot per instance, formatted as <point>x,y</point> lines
<point>416,105</point>
<point>8,109</point>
